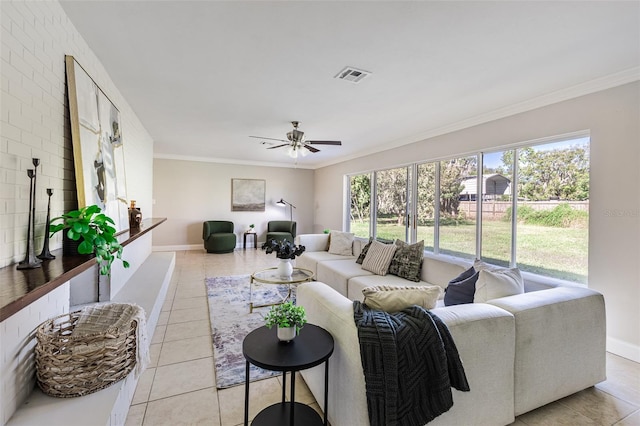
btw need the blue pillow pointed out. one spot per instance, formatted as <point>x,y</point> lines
<point>462,288</point>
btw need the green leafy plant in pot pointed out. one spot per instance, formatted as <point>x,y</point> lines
<point>96,234</point>
<point>288,318</point>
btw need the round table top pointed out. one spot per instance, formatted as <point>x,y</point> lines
<point>312,346</point>
<point>271,276</point>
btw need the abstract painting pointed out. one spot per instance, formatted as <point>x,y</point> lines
<point>97,146</point>
<point>247,195</point>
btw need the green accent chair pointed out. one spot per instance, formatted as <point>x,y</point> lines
<point>281,230</point>
<point>218,236</point>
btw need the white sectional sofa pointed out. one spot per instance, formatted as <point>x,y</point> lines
<point>519,352</point>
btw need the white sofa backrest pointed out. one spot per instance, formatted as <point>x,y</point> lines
<point>439,270</point>
<point>320,242</point>
<point>313,242</point>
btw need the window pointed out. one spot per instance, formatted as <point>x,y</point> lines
<point>457,227</point>
<point>529,207</point>
<point>359,213</point>
<point>391,204</point>
<point>553,209</point>
<point>497,204</point>
<point>426,204</point>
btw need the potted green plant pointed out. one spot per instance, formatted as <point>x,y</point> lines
<point>285,251</point>
<point>288,318</point>
<point>95,232</point>
<point>251,228</point>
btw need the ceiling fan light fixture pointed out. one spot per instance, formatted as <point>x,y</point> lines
<point>293,152</point>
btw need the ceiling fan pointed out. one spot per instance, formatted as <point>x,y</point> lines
<point>296,141</point>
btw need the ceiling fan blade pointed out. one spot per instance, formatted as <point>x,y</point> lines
<point>271,139</point>
<point>278,146</point>
<point>312,149</point>
<point>324,142</point>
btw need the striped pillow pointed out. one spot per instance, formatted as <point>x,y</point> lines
<point>379,257</point>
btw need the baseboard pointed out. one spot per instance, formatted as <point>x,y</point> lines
<point>191,247</point>
<point>184,247</point>
<point>623,349</point>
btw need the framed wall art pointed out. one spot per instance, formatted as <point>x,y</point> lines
<point>98,152</point>
<point>248,195</point>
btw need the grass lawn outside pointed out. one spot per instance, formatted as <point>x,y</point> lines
<point>554,252</point>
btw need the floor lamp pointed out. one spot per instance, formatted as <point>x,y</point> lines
<point>291,207</point>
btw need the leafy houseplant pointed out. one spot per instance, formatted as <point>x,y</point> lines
<point>283,249</point>
<point>288,318</point>
<point>97,234</point>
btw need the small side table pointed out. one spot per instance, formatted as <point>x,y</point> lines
<point>255,240</point>
<point>313,346</point>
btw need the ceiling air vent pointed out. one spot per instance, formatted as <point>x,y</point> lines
<point>351,74</point>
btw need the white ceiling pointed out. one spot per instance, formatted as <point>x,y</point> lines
<point>204,75</point>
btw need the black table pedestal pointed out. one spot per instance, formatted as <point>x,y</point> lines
<point>262,348</point>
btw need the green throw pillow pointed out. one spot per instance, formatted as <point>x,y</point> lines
<point>407,261</point>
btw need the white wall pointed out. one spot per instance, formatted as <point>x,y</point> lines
<point>613,118</point>
<point>189,192</point>
<point>34,122</point>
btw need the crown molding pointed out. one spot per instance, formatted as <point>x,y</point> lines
<point>230,161</point>
<point>592,86</point>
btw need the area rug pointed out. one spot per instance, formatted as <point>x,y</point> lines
<point>231,321</point>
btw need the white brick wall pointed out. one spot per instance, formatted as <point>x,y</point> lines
<point>34,122</point>
<point>17,334</point>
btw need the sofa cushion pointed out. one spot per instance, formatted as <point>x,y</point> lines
<point>364,251</point>
<point>378,258</point>
<point>462,288</point>
<point>391,298</point>
<point>407,260</point>
<point>499,283</point>
<point>336,273</point>
<point>310,259</point>
<point>341,243</point>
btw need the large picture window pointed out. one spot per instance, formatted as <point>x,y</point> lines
<point>526,207</point>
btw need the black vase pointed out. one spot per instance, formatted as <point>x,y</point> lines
<point>69,246</point>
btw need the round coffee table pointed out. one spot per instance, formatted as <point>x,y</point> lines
<point>271,276</point>
<point>261,347</point>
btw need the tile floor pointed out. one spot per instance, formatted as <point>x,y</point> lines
<point>178,388</point>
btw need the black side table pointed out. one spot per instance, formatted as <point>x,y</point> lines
<point>313,346</point>
<point>255,240</point>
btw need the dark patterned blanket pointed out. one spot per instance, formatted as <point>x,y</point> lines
<point>410,363</point>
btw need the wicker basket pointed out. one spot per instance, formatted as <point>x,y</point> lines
<point>85,351</point>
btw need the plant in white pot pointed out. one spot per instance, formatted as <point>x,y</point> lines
<point>288,318</point>
<point>285,251</point>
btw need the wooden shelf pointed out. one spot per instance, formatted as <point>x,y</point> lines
<point>20,288</point>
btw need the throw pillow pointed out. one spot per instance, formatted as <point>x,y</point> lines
<point>407,261</point>
<point>378,258</point>
<point>479,265</point>
<point>364,251</point>
<point>500,283</point>
<point>462,288</point>
<point>391,298</point>
<point>341,243</point>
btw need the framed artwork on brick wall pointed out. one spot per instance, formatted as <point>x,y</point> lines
<point>98,153</point>
<point>248,195</point>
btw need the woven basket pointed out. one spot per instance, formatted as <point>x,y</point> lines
<point>85,351</point>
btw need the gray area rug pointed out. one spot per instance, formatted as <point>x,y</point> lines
<point>231,321</point>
